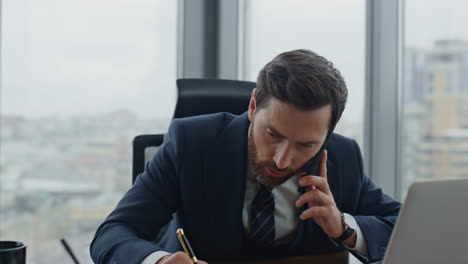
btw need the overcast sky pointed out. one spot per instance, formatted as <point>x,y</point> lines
<point>68,57</point>
<point>89,56</point>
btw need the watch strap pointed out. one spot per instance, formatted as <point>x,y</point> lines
<point>348,231</point>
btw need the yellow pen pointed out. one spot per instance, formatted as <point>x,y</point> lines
<point>186,245</point>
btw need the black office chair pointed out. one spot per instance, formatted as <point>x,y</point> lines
<point>195,97</point>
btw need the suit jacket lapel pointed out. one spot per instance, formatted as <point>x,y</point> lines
<point>225,173</point>
<point>334,180</point>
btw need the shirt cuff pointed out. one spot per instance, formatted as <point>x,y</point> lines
<point>154,257</point>
<point>361,244</point>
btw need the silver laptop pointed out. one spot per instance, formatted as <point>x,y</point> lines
<point>433,224</point>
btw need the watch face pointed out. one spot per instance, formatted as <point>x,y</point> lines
<point>343,222</point>
<point>350,231</point>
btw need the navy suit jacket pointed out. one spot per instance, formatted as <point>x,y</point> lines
<point>196,181</point>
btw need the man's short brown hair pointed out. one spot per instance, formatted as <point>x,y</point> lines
<point>305,80</point>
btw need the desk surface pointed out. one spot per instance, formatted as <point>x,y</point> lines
<point>336,258</point>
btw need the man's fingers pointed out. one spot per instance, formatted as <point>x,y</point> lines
<point>176,258</point>
<point>320,183</point>
<point>316,196</point>
<point>315,211</point>
<point>323,164</point>
<point>312,180</point>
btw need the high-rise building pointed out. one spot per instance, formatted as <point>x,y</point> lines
<point>413,65</point>
<point>436,111</point>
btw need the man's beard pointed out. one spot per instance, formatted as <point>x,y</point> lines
<point>260,166</point>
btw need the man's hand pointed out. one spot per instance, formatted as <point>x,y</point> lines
<point>322,207</point>
<point>177,258</point>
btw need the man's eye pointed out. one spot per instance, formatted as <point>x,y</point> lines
<point>272,134</point>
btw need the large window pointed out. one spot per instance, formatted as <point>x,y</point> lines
<point>79,80</point>
<point>435,91</point>
<point>334,29</point>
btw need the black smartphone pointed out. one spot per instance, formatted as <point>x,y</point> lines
<point>312,166</point>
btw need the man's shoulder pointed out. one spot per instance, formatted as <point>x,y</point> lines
<point>210,126</point>
<point>337,140</point>
<point>214,122</point>
<point>207,118</point>
<point>344,152</point>
<point>341,146</point>
<point>207,132</point>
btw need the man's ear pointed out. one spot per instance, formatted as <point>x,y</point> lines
<point>252,105</point>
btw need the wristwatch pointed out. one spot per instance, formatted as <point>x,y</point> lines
<point>348,231</point>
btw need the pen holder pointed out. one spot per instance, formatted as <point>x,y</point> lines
<point>12,252</point>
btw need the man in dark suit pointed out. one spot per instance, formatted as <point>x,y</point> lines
<point>256,185</point>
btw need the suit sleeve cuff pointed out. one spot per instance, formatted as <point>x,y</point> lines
<point>154,257</point>
<point>361,244</point>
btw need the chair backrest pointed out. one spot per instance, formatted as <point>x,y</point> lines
<point>144,147</point>
<point>196,97</point>
<point>207,96</point>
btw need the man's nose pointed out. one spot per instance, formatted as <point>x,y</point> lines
<point>283,155</point>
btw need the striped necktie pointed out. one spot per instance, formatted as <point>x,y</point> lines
<point>262,218</point>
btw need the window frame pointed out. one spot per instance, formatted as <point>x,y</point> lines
<point>383,105</point>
